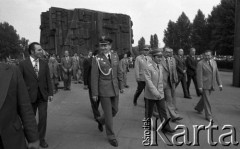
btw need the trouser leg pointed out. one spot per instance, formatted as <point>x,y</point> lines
<point>207,106</point>
<point>189,78</point>
<point>161,106</point>
<point>140,87</point>
<point>200,104</point>
<point>42,124</point>
<point>170,106</point>
<point>94,105</point>
<point>184,86</point>
<point>110,108</point>
<point>196,85</point>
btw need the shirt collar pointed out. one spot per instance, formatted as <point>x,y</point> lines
<point>33,60</point>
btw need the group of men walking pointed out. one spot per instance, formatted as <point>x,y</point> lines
<point>158,73</point>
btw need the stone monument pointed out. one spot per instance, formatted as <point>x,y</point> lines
<point>79,30</point>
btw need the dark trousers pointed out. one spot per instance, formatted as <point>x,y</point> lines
<point>94,105</point>
<point>67,80</point>
<point>140,87</point>
<point>41,106</point>
<point>1,144</point>
<point>110,109</point>
<point>183,81</point>
<point>194,78</point>
<point>161,107</point>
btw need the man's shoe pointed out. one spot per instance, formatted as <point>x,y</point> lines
<point>168,130</point>
<point>199,112</point>
<point>43,144</point>
<point>177,119</point>
<point>100,126</point>
<point>113,142</point>
<point>126,86</point>
<point>189,97</point>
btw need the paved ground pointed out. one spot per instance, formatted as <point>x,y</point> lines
<point>71,124</point>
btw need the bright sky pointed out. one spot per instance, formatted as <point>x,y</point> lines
<point>148,16</point>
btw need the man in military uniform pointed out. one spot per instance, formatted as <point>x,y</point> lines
<point>124,66</point>
<point>106,81</point>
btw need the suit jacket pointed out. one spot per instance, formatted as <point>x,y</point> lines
<point>67,64</point>
<point>154,81</point>
<point>140,65</point>
<point>53,68</point>
<point>207,77</point>
<point>169,72</point>
<point>191,63</point>
<point>75,62</point>
<point>181,66</point>
<point>87,65</point>
<point>43,81</point>
<point>17,120</point>
<point>106,77</point>
<point>124,66</point>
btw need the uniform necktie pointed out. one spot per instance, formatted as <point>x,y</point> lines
<point>109,58</point>
<point>36,67</point>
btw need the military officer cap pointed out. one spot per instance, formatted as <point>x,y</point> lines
<point>145,48</point>
<point>157,51</point>
<point>105,40</point>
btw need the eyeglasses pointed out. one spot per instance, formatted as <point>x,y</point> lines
<point>158,56</point>
<point>146,49</point>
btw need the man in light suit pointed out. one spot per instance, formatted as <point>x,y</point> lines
<point>124,66</point>
<point>17,121</point>
<point>169,80</point>
<point>36,75</point>
<point>181,71</point>
<point>106,82</point>
<point>154,94</point>
<point>208,80</point>
<point>140,65</point>
<point>67,67</point>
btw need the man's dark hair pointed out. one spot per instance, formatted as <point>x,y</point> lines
<point>32,46</point>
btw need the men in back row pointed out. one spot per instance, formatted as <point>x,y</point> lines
<point>169,80</point>
<point>181,71</point>
<point>67,68</point>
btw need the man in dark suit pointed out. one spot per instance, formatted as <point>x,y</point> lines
<point>17,121</point>
<point>87,66</point>
<point>106,81</point>
<point>37,78</point>
<point>191,63</point>
<point>67,67</point>
<point>181,71</point>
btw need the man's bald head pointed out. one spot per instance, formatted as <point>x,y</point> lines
<point>180,52</point>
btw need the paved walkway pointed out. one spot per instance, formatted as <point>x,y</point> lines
<point>71,124</point>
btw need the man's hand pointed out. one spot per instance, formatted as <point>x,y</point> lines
<point>184,71</point>
<point>95,98</point>
<point>220,87</point>
<point>65,70</point>
<point>201,90</point>
<point>50,98</point>
<point>121,91</point>
<point>33,145</point>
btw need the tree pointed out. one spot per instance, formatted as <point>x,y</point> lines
<point>199,37</point>
<point>141,43</point>
<point>170,36</point>
<point>151,41</point>
<point>9,41</point>
<point>221,24</point>
<point>155,41</point>
<point>183,30</point>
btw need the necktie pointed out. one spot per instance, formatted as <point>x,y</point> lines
<point>209,63</point>
<point>109,58</point>
<point>158,66</point>
<point>36,67</point>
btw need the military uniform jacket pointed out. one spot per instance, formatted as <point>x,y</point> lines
<point>140,64</point>
<point>154,81</point>
<point>106,77</point>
